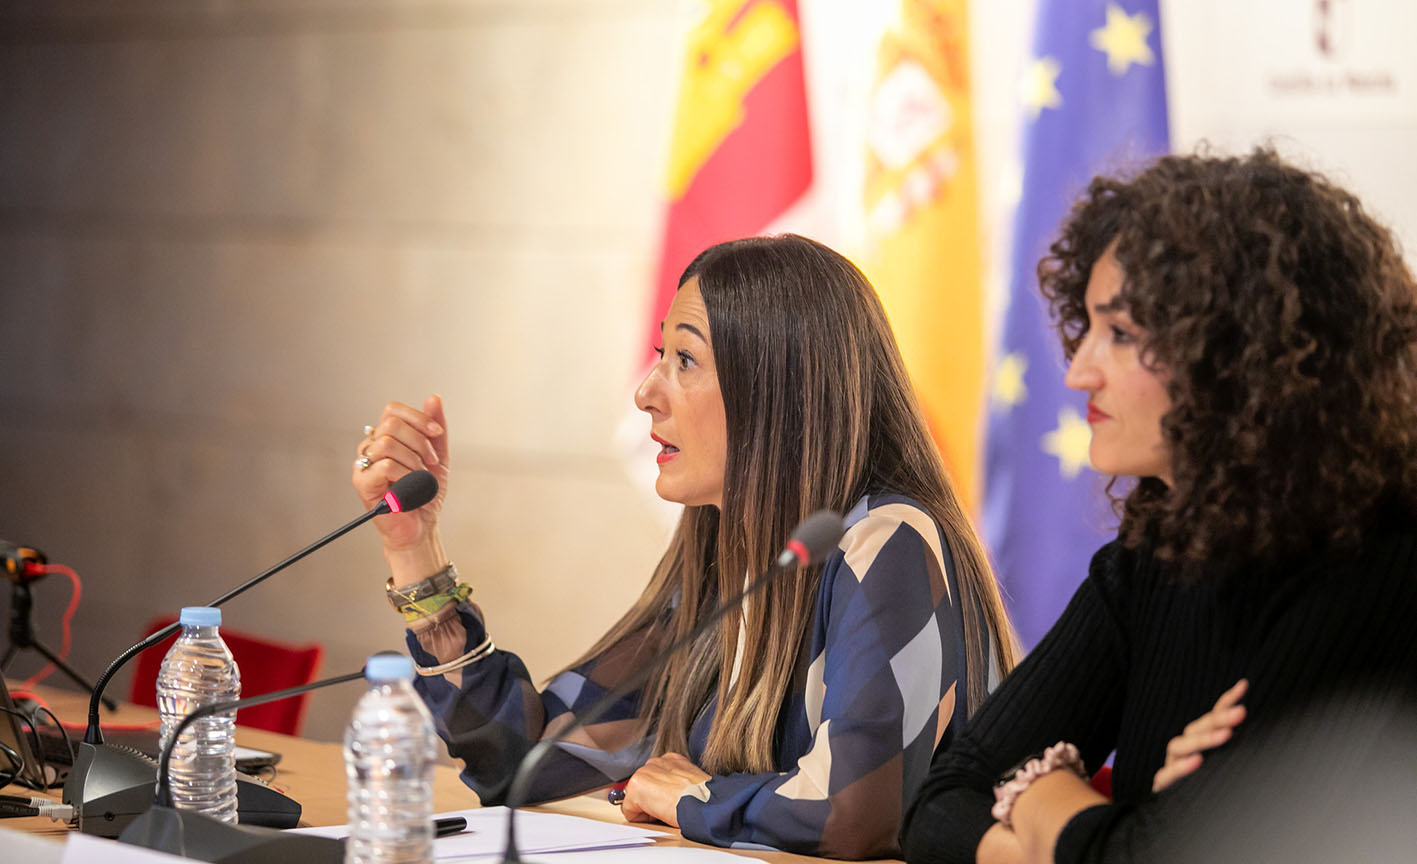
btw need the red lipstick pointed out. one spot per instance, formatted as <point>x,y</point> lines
<point>1095,414</point>
<point>667,451</point>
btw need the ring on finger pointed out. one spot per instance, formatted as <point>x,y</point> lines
<point>363,462</point>
<point>368,431</point>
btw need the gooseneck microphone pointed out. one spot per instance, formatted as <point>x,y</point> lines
<point>163,796</point>
<point>409,492</point>
<point>107,787</point>
<point>195,835</point>
<point>813,539</point>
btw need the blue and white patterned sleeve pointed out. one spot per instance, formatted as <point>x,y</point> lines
<point>881,691</point>
<point>489,712</point>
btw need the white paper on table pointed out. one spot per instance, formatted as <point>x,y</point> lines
<point>88,849</point>
<point>646,854</point>
<point>486,834</point>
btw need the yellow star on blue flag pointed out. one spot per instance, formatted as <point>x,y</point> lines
<point>1009,388</point>
<point>1069,442</point>
<point>1123,40</point>
<point>1040,86</point>
<point>1094,98</point>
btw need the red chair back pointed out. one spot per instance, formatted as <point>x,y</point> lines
<point>1102,781</point>
<point>266,665</point>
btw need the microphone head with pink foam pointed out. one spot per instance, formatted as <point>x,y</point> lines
<point>815,538</point>
<point>409,492</point>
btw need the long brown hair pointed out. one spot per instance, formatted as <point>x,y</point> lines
<point>1286,320</point>
<point>819,412</point>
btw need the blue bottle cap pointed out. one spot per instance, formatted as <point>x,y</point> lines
<point>200,616</point>
<point>388,667</point>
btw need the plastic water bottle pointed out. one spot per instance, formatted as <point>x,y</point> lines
<point>197,671</point>
<point>389,751</point>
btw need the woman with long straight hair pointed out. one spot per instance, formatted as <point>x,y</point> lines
<point>806,721</point>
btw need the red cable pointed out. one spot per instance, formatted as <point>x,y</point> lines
<point>17,695</point>
<point>67,620</point>
<point>66,626</point>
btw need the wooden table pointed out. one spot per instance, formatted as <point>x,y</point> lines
<point>312,772</point>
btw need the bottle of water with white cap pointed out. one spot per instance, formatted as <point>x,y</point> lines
<point>198,671</point>
<point>389,751</point>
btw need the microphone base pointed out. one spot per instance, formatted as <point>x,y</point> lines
<point>202,838</point>
<point>110,785</point>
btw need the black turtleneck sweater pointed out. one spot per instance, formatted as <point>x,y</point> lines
<point>1329,646</point>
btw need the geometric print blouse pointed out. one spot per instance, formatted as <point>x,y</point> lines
<point>880,684</point>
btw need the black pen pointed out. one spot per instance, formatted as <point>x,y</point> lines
<point>450,825</point>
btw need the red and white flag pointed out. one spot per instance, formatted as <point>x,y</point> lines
<point>740,155</point>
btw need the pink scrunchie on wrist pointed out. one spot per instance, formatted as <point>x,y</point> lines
<point>1060,755</point>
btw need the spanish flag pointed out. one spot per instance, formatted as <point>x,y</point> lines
<point>923,249</point>
<point>741,149</point>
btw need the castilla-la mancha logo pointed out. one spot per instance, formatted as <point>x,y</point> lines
<point>1332,29</point>
<point>1344,60</point>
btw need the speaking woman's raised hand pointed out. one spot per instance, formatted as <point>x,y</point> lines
<point>405,439</point>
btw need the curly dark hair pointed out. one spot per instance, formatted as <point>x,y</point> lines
<point>1286,320</point>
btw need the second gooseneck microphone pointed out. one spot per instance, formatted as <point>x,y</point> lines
<point>409,492</point>
<point>813,539</point>
<point>195,835</point>
<point>108,787</point>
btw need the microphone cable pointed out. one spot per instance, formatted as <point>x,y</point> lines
<point>30,719</point>
<point>65,624</point>
<point>18,807</point>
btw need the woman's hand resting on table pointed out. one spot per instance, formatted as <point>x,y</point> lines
<point>653,791</point>
<point>403,440</point>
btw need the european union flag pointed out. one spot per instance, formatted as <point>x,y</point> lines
<point>1095,94</point>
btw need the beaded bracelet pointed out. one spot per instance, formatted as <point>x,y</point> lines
<point>1006,792</point>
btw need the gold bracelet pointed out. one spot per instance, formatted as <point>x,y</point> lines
<point>481,652</point>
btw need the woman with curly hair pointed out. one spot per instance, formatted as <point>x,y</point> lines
<point>1247,338</point>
